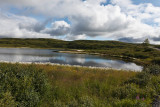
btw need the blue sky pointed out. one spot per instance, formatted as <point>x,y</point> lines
<point>154,2</point>
<point>76,19</point>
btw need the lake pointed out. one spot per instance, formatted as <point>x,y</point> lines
<point>48,56</point>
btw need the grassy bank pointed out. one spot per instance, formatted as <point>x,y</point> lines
<point>62,86</point>
<point>139,53</point>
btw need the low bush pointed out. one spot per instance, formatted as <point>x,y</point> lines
<point>126,91</point>
<point>140,79</point>
<point>130,103</point>
<point>27,85</point>
<point>7,100</point>
<point>156,60</point>
<point>152,69</point>
<point>86,102</point>
<point>141,55</point>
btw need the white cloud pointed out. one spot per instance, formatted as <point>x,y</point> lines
<point>99,21</point>
<point>58,28</point>
<point>157,20</point>
<point>120,19</point>
<point>10,27</point>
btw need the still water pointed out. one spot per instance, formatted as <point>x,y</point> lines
<point>48,56</point>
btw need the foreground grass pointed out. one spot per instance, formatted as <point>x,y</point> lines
<point>62,86</point>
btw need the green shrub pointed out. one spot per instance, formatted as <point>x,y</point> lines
<point>73,103</point>
<point>152,69</point>
<point>140,79</point>
<point>126,91</point>
<point>58,104</point>
<point>28,85</point>
<point>130,103</point>
<point>147,49</point>
<point>156,60</point>
<point>141,55</point>
<point>7,100</point>
<point>155,84</point>
<point>86,102</point>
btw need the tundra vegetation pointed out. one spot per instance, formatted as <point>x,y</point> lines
<point>29,85</point>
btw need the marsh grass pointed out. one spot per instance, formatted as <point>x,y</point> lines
<point>64,86</point>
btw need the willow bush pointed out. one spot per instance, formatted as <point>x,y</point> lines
<point>25,85</point>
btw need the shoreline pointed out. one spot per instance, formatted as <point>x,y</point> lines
<point>67,65</point>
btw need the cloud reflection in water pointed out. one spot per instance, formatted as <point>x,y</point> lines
<point>45,56</point>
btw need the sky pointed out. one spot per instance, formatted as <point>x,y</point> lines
<point>122,20</point>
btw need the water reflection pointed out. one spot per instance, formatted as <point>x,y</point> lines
<point>46,55</point>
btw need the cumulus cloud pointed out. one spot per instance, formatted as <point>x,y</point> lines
<point>102,19</point>
<point>10,27</point>
<point>34,26</point>
<point>58,28</point>
<point>119,20</point>
<point>26,27</point>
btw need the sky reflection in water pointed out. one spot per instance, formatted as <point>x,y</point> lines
<point>46,55</point>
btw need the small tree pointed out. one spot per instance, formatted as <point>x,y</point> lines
<point>146,42</point>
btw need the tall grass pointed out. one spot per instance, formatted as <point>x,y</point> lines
<point>62,86</point>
